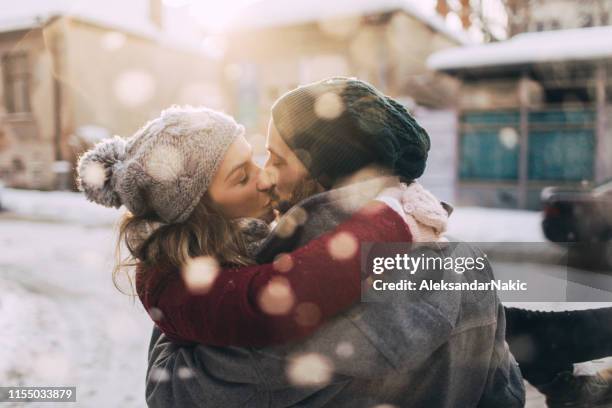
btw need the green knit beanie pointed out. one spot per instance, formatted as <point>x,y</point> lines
<point>340,125</point>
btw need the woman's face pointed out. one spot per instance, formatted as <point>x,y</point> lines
<point>234,188</point>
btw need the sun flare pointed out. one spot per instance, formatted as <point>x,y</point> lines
<point>215,16</point>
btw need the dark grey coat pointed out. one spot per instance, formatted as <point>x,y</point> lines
<point>446,350</point>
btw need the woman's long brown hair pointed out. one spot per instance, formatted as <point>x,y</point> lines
<point>168,247</point>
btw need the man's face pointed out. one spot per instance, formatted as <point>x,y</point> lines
<point>284,176</point>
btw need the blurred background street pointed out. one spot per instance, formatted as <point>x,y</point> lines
<point>516,96</point>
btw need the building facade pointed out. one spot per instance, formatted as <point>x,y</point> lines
<point>546,15</point>
<point>532,111</point>
<point>384,44</point>
<point>68,82</point>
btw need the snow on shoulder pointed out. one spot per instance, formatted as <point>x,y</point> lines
<point>560,45</point>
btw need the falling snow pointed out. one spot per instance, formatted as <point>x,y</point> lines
<point>310,369</point>
<point>277,298</point>
<point>200,274</point>
<point>283,263</point>
<point>328,106</point>
<point>343,246</point>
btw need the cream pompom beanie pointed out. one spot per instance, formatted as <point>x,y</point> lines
<point>165,168</point>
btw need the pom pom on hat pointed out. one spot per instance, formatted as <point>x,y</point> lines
<point>96,169</point>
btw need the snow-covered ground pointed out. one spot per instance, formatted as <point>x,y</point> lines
<point>63,321</point>
<point>57,206</point>
<point>472,224</point>
<point>477,224</point>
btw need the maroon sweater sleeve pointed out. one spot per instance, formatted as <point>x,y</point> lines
<point>266,304</point>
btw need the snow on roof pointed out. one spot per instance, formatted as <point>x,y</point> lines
<point>21,23</point>
<point>130,17</point>
<point>134,15</point>
<point>269,13</point>
<point>143,29</point>
<point>561,45</point>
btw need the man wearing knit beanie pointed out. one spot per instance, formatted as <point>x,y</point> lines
<point>324,132</point>
<point>321,137</point>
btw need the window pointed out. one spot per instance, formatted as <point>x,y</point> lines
<point>489,145</point>
<point>484,156</point>
<point>16,79</point>
<point>248,95</point>
<point>561,144</point>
